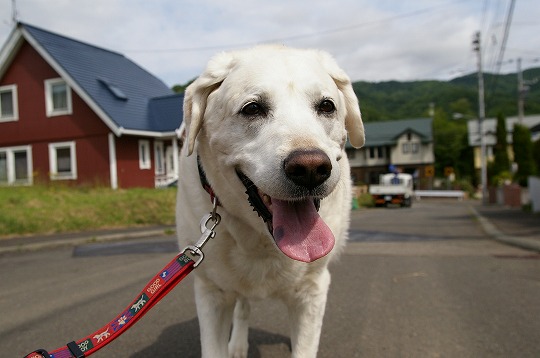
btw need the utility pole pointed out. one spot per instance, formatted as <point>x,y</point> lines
<point>481,117</point>
<point>521,92</point>
<point>14,14</point>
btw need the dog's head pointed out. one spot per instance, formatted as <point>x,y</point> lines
<point>277,119</point>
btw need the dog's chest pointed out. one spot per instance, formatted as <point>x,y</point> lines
<point>260,273</point>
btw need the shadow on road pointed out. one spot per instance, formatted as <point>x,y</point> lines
<point>183,340</point>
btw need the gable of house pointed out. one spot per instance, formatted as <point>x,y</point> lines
<point>117,89</point>
<point>388,132</point>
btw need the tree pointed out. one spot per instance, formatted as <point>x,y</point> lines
<point>180,88</point>
<point>450,142</point>
<point>462,108</point>
<point>523,154</point>
<point>501,163</point>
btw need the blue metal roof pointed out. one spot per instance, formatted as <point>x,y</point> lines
<point>129,95</point>
<point>387,132</point>
<point>163,112</point>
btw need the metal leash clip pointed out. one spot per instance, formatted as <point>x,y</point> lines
<point>207,233</point>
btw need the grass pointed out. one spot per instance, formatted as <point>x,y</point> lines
<point>366,200</point>
<point>51,209</point>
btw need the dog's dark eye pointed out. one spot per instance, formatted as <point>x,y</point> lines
<point>326,107</point>
<point>252,109</point>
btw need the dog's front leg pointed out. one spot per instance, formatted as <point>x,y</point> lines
<point>306,312</point>
<point>215,310</point>
<point>238,344</point>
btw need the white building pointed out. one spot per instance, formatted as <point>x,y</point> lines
<point>405,144</point>
<point>490,135</point>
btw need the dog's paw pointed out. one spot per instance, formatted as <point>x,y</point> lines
<point>238,350</point>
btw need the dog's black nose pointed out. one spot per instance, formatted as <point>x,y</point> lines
<point>308,168</point>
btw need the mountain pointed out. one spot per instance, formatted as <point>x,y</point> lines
<point>396,100</point>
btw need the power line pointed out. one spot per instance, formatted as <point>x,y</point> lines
<point>490,33</point>
<point>14,13</point>
<point>508,22</point>
<point>505,37</point>
<point>300,36</point>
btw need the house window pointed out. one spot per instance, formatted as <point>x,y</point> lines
<point>414,147</point>
<point>62,161</point>
<point>8,103</point>
<point>58,97</point>
<point>159,157</point>
<point>377,152</point>
<point>114,89</point>
<point>405,148</point>
<point>16,165</point>
<point>144,154</point>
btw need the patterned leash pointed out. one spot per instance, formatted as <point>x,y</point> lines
<point>153,292</point>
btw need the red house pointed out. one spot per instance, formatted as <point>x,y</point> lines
<point>76,113</point>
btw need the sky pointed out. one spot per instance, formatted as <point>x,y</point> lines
<point>372,40</point>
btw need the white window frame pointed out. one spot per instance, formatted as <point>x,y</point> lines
<point>159,157</point>
<point>15,116</point>
<point>53,165</point>
<point>50,110</point>
<point>10,161</point>
<point>144,154</point>
<point>405,148</point>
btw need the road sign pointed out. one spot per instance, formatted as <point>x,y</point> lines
<point>429,171</point>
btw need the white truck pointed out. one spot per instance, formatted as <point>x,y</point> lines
<point>393,188</point>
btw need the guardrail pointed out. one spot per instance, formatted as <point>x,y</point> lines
<point>458,194</point>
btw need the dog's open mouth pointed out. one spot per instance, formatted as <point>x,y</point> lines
<point>296,226</point>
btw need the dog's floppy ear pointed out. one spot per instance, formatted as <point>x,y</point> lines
<point>353,118</point>
<point>197,94</point>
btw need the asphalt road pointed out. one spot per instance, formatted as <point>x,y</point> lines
<point>419,282</point>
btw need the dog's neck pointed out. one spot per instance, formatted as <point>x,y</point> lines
<point>205,184</point>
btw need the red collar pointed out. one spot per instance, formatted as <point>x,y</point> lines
<point>205,184</point>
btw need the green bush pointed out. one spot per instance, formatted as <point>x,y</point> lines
<point>366,200</point>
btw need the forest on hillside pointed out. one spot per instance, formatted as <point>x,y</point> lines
<point>392,100</point>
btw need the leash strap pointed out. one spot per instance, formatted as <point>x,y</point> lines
<point>152,293</point>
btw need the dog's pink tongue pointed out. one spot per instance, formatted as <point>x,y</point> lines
<point>299,231</point>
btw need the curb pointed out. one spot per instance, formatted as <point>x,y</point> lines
<point>489,228</point>
<point>87,239</point>
<point>496,234</point>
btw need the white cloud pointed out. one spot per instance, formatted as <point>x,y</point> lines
<point>382,40</point>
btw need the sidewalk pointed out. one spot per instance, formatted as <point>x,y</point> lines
<point>511,226</point>
<point>38,242</point>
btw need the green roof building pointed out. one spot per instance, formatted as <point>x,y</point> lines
<point>406,145</point>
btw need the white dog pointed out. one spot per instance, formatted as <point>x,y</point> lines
<point>266,129</point>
